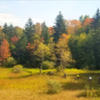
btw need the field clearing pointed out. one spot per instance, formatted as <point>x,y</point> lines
<point>29,85</point>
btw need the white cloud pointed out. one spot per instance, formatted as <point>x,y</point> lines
<point>8,18</point>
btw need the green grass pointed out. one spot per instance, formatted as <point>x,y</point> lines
<point>32,86</point>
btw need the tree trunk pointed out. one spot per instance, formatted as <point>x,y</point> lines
<point>34,61</point>
<point>41,64</point>
<point>64,68</point>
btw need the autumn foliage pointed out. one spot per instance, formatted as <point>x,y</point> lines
<point>30,46</point>
<point>64,37</point>
<point>51,30</point>
<point>14,40</point>
<point>38,28</point>
<point>4,51</point>
<point>72,26</point>
<point>87,21</point>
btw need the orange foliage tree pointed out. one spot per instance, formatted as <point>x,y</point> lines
<point>4,51</point>
<point>63,40</point>
<point>72,26</point>
<point>51,30</point>
<point>31,47</point>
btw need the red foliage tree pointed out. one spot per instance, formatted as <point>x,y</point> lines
<point>4,51</point>
<point>14,40</point>
<point>87,21</point>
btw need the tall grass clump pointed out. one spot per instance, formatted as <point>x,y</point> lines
<point>54,87</point>
<point>90,92</point>
<point>17,69</point>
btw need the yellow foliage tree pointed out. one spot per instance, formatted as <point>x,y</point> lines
<point>63,51</point>
<point>42,51</point>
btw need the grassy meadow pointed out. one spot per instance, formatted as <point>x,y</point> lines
<point>29,85</point>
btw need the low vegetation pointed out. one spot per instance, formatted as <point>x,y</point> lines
<point>54,87</point>
<point>17,69</point>
<point>28,84</point>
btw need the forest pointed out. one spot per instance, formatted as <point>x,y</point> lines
<point>67,44</point>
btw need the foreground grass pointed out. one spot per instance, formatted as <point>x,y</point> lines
<point>29,85</point>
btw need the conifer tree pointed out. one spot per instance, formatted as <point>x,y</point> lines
<point>29,29</point>
<point>45,33</point>
<point>60,27</point>
<point>5,28</point>
<point>96,18</point>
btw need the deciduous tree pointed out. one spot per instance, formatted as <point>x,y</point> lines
<point>14,40</point>
<point>41,52</point>
<point>4,51</point>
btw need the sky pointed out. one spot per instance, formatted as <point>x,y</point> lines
<point>18,12</point>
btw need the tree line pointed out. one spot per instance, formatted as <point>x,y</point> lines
<point>69,43</point>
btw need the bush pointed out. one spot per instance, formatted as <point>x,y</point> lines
<point>10,62</point>
<point>90,92</point>
<point>17,69</point>
<point>48,65</point>
<point>59,69</point>
<point>54,87</point>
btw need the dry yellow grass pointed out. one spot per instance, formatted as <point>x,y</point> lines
<point>31,86</point>
<point>29,95</point>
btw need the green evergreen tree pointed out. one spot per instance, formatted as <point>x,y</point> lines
<point>19,52</point>
<point>29,29</point>
<point>60,27</point>
<point>45,33</point>
<point>81,18</point>
<point>22,43</point>
<point>96,48</point>
<point>82,50</point>
<point>5,27</point>
<point>96,18</point>
<point>11,31</point>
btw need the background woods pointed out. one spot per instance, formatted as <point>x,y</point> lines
<point>69,43</point>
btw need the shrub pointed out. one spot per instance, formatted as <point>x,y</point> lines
<point>97,93</point>
<point>48,65</point>
<point>90,92</point>
<point>10,62</point>
<point>17,69</point>
<point>59,69</point>
<point>54,86</point>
